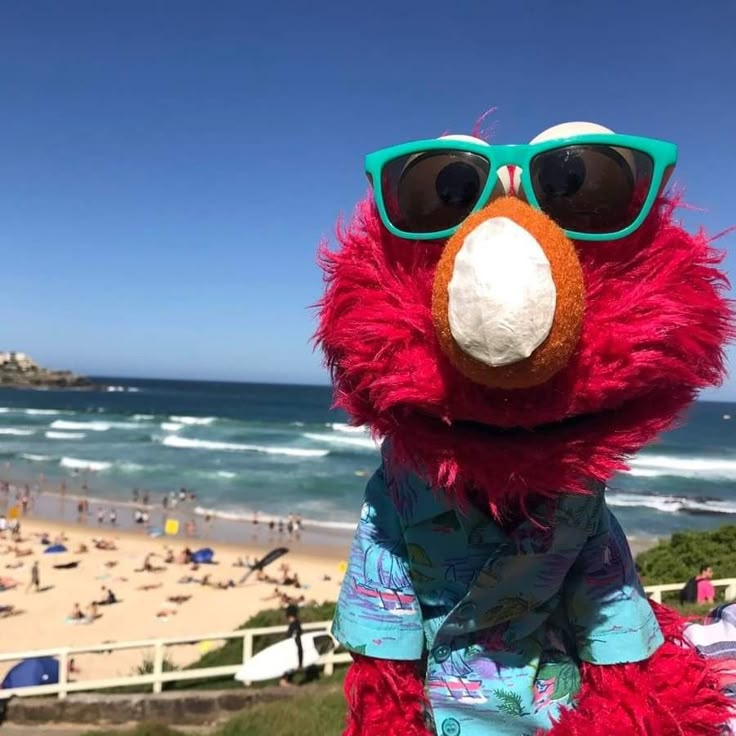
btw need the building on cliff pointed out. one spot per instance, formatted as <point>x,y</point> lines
<point>20,362</point>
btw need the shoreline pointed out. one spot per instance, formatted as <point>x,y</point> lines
<point>233,529</point>
<point>210,524</point>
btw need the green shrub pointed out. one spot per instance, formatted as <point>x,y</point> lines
<point>231,652</point>
<point>679,558</point>
<point>147,665</point>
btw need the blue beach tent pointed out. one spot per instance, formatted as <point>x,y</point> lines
<point>32,672</point>
<point>203,556</point>
<point>54,549</point>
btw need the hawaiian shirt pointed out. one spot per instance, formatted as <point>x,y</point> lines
<point>501,620</point>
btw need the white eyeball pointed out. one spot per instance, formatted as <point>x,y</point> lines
<point>563,130</point>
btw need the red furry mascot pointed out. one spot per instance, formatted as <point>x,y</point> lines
<point>514,322</point>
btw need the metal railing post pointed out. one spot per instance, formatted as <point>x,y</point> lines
<point>63,673</point>
<point>158,666</point>
<point>247,648</point>
<point>329,665</point>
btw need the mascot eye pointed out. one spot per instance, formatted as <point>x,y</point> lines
<point>591,188</point>
<point>458,184</point>
<point>433,191</point>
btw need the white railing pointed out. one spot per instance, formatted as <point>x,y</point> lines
<point>157,677</point>
<point>655,591</point>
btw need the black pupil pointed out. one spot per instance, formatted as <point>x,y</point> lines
<point>457,184</point>
<point>562,175</point>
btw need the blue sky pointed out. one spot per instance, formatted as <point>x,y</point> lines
<point>167,169</point>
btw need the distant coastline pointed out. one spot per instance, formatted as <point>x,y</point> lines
<point>18,370</point>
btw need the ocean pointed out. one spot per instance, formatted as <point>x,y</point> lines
<point>279,449</point>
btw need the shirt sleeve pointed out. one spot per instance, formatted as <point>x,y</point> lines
<point>607,608</point>
<point>378,613</point>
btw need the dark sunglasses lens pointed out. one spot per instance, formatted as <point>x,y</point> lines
<point>432,191</point>
<point>592,188</point>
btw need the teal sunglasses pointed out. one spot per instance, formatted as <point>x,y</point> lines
<point>595,187</point>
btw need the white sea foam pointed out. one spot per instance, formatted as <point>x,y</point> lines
<point>193,420</point>
<point>4,409</point>
<point>244,515</point>
<point>671,504</point>
<point>171,426</point>
<point>130,467</point>
<point>342,427</point>
<point>655,466</point>
<point>75,463</point>
<point>143,417</point>
<point>89,426</point>
<point>36,458</point>
<point>226,474</point>
<point>347,439</point>
<point>65,435</point>
<point>41,412</point>
<point>16,432</point>
<point>192,444</point>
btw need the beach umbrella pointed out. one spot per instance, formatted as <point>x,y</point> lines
<point>55,549</point>
<point>32,672</point>
<point>203,556</point>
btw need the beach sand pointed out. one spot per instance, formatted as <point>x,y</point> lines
<point>42,618</point>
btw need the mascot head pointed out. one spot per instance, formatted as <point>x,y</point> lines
<point>518,319</point>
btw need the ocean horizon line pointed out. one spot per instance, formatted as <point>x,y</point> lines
<point>111,378</point>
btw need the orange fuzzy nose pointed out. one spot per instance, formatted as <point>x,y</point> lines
<point>508,297</point>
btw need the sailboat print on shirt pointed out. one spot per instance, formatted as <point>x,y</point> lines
<point>456,680</point>
<point>385,578</point>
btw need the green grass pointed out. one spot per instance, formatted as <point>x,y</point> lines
<point>232,651</point>
<point>143,729</point>
<point>306,714</point>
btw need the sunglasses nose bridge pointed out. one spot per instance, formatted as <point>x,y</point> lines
<point>509,178</point>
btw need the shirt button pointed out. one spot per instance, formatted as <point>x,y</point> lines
<point>467,610</point>
<point>450,727</point>
<point>441,653</point>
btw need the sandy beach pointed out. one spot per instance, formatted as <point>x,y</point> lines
<point>145,608</point>
<point>171,600</point>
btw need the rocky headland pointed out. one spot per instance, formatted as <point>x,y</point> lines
<point>18,370</point>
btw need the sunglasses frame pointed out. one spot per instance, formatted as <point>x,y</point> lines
<point>662,153</point>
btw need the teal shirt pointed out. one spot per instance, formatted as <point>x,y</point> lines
<point>502,619</point>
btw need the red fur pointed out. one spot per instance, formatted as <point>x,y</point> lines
<point>674,693</point>
<point>655,323</point>
<point>384,698</point>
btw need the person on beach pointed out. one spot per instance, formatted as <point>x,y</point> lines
<point>108,597</point>
<point>76,613</point>
<point>35,581</point>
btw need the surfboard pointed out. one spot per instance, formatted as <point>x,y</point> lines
<point>272,662</point>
